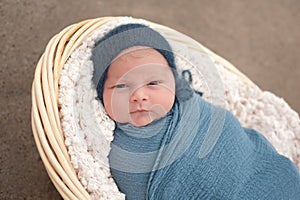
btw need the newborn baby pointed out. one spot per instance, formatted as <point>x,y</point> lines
<point>163,125</point>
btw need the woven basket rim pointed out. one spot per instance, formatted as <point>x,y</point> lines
<point>45,119</point>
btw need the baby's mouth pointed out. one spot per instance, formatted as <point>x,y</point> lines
<point>139,111</point>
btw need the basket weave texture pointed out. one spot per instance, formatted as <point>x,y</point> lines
<point>46,124</point>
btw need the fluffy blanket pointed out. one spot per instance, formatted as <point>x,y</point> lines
<point>89,131</point>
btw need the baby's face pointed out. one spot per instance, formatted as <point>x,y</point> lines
<point>139,87</point>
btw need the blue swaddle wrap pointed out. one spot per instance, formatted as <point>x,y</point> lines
<point>160,162</point>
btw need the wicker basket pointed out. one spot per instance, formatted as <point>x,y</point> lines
<point>46,123</point>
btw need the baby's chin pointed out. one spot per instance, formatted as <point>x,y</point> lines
<point>141,124</point>
<point>142,119</point>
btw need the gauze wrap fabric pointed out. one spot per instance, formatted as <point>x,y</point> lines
<point>162,160</point>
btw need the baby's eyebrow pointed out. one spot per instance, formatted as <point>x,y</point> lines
<point>112,77</point>
<point>113,80</point>
<point>156,77</point>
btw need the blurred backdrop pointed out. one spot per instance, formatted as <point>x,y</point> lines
<point>260,37</point>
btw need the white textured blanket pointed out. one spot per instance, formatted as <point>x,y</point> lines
<point>88,130</point>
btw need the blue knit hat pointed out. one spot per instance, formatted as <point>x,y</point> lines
<point>124,37</point>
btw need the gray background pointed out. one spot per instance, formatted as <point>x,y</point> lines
<point>260,37</point>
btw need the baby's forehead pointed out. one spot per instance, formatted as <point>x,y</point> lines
<point>138,59</point>
<point>137,52</point>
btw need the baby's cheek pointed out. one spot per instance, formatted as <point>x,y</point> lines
<point>167,98</point>
<point>112,104</point>
<point>120,108</point>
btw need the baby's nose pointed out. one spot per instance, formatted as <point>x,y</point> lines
<point>139,95</point>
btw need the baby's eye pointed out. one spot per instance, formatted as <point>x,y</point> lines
<point>120,86</point>
<point>154,83</point>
